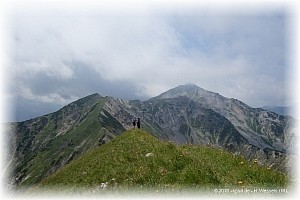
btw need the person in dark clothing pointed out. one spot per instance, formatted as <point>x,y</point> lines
<point>134,122</point>
<point>138,123</point>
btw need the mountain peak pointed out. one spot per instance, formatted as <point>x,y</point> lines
<point>188,87</point>
<point>189,90</point>
<point>90,97</point>
<point>88,100</point>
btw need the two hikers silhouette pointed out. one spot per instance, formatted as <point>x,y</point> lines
<point>136,122</point>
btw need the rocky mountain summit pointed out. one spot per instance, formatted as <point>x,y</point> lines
<point>261,128</point>
<point>186,114</point>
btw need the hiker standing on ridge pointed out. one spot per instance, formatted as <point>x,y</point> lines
<point>134,122</point>
<point>138,123</point>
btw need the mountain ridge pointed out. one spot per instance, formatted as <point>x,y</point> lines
<point>183,115</point>
<point>150,162</point>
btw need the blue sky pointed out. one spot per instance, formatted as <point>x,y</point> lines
<point>58,55</point>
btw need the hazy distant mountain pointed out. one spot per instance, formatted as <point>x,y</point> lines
<point>185,114</point>
<point>282,110</point>
<point>27,109</point>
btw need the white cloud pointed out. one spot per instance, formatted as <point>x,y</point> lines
<point>153,52</point>
<point>54,70</point>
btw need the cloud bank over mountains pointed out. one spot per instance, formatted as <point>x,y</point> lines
<point>57,57</point>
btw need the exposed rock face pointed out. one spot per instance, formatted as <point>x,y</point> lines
<point>184,120</point>
<point>186,114</point>
<point>261,128</point>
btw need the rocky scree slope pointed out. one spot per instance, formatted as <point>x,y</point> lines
<point>261,128</point>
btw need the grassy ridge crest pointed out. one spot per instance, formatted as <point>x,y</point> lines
<point>137,159</point>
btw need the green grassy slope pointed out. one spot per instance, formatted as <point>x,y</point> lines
<point>58,148</point>
<point>50,151</point>
<point>136,159</point>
